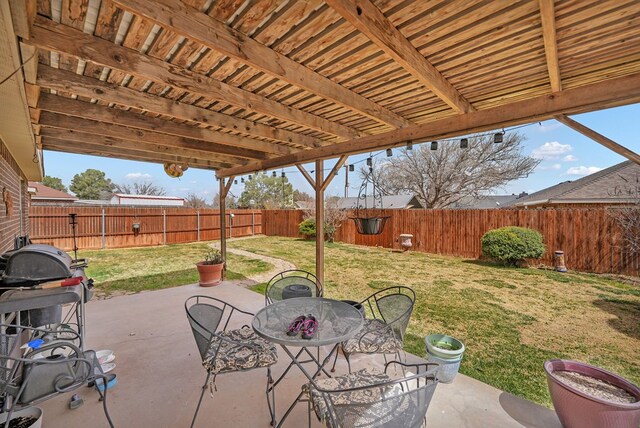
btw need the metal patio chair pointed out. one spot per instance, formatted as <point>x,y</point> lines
<point>292,283</point>
<point>31,376</point>
<point>387,314</point>
<point>368,398</point>
<point>225,350</point>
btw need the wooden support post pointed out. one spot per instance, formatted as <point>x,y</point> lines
<point>320,221</point>
<point>223,225</point>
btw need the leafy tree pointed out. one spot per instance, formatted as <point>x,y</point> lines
<point>91,184</point>
<point>54,183</point>
<point>267,192</point>
<point>300,196</point>
<point>230,202</point>
<point>440,178</point>
<point>194,201</point>
<point>140,188</point>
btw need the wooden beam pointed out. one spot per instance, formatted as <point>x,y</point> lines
<point>76,147</point>
<point>548,16</point>
<point>55,120</point>
<point>151,149</point>
<point>33,94</point>
<point>202,28</point>
<point>88,87</point>
<point>599,138</point>
<point>333,171</point>
<point>227,186</point>
<point>370,21</point>
<point>604,94</point>
<point>29,56</point>
<point>306,175</point>
<point>23,13</point>
<point>320,222</point>
<point>47,34</point>
<point>71,107</point>
<point>223,224</point>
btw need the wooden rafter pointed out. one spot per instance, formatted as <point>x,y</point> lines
<point>605,94</point>
<point>547,14</point>
<point>119,153</point>
<point>306,175</point>
<point>599,138</point>
<point>202,28</point>
<point>150,147</point>
<point>71,107</point>
<point>369,20</point>
<point>88,87</point>
<point>47,34</point>
<point>62,121</point>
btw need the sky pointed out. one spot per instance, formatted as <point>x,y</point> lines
<point>565,155</point>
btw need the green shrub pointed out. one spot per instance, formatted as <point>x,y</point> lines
<point>512,244</point>
<point>308,227</point>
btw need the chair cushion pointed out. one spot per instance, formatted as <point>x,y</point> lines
<point>243,351</point>
<point>364,377</point>
<point>376,337</point>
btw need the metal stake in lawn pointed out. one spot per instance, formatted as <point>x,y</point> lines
<point>73,221</point>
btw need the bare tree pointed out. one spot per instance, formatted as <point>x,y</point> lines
<point>440,178</point>
<point>140,188</point>
<point>230,201</point>
<point>333,216</point>
<point>628,216</point>
<point>194,201</point>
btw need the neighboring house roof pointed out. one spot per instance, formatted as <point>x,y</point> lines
<point>617,184</point>
<point>45,193</point>
<point>164,198</point>
<point>482,202</point>
<point>93,202</point>
<point>388,202</point>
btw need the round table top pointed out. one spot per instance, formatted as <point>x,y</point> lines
<point>337,321</point>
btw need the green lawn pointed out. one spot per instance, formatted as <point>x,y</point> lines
<point>510,320</point>
<point>153,268</point>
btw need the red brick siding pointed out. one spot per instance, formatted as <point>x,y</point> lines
<point>10,175</point>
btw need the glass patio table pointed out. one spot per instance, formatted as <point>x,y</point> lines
<point>337,321</point>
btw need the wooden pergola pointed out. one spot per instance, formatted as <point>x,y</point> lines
<point>240,86</point>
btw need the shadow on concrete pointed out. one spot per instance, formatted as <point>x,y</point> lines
<point>627,313</point>
<point>528,414</point>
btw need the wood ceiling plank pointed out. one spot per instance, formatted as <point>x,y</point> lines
<point>368,19</point>
<point>56,120</point>
<point>614,92</point>
<point>216,35</point>
<point>60,38</point>
<point>547,13</point>
<point>81,85</point>
<point>70,107</point>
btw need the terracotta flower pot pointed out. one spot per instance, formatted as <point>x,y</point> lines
<point>210,275</point>
<point>577,409</point>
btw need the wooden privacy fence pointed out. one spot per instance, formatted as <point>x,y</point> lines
<point>589,237</point>
<point>112,227</point>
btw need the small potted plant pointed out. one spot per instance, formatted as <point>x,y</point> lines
<point>210,269</point>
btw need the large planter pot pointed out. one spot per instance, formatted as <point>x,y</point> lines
<point>370,225</point>
<point>34,412</point>
<point>578,409</point>
<point>210,275</point>
<point>447,351</point>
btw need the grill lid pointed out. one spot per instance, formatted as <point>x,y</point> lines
<point>37,263</point>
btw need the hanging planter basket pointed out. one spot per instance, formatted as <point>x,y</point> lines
<point>366,224</point>
<point>370,225</point>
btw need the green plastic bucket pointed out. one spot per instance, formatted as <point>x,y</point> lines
<point>443,346</point>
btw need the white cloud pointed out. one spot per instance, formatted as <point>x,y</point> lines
<point>569,158</point>
<point>583,170</point>
<point>138,176</point>
<point>555,167</point>
<point>551,150</point>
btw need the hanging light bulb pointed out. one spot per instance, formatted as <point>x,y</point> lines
<point>241,179</point>
<point>464,143</point>
<point>434,145</point>
<point>369,161</point>
<point>282,174</point>
<point>274,174</point>
<point>235,181</point>
<point>250,177</point>
<point>497,137</point>
<point>409,145</point>
<point>352,168</point>
<point>389,153</point>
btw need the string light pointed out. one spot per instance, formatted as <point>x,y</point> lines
<point>464,143</point>
<point>250,177</point>
<point>235,181</point>
<point>282,174</point>
<point>241,179</point>
<point>369,161</point>
<point>434,145</point>
<point>352,168</point>
<point>409,145</point>
<point>389,153</point>
<point>497,137</point>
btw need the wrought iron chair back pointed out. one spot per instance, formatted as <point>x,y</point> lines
<point>393,306</point>
<point>391,403</point>
<point>280,286</point>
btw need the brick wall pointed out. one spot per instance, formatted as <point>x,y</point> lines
<point>10,224</point>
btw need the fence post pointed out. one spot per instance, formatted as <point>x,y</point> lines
<point>164,227</point>
<point>253,223</point>
<point>198,223</point>
<point>104,242</point>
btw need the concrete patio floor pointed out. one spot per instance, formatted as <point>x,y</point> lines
<point>160,375</point>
